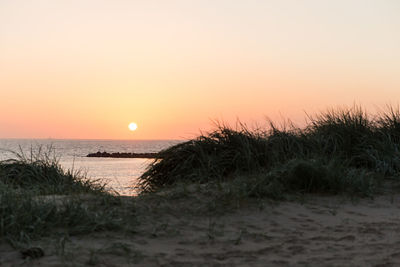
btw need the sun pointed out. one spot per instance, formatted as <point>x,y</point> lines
<point>132,126</point>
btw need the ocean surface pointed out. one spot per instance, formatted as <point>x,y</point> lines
<point>119,174</point>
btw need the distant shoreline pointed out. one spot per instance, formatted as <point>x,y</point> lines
<point>122,155</point>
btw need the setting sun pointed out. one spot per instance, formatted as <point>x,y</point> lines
<point>132,126</point>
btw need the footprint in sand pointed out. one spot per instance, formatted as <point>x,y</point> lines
<point>347,238</point>
<point>296,249</point>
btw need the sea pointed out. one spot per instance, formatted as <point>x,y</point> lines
<point>120,175</point>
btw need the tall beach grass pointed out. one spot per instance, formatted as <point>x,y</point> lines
<point>38,197</point>
<point>339,151</point>
<point>40,171</point>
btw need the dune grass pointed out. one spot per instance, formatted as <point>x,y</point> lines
<point>339,151</point>
<point>41,172</point>
<point>38,197</point>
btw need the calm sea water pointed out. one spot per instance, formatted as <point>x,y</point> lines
<point>120,174</point>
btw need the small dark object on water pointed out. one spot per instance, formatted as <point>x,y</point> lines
<point>33,253</point>
<point>123,155</point>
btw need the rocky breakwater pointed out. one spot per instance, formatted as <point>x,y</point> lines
<point>123,155</point>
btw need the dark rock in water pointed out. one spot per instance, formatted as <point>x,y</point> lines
<point>123,155</point>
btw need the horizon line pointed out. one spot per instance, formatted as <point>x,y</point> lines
<point>86,139</point>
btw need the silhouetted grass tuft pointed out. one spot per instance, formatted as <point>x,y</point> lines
<point>339,151</point>
<point>41,172</point>
<point>37,197</point>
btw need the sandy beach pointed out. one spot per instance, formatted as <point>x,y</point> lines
<point>315,231</point>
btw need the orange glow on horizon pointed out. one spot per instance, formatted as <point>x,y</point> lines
<point>83,69</point>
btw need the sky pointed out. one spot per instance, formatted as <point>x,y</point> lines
<point>85,69</point>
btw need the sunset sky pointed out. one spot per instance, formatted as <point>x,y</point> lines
<point>87,68</point>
